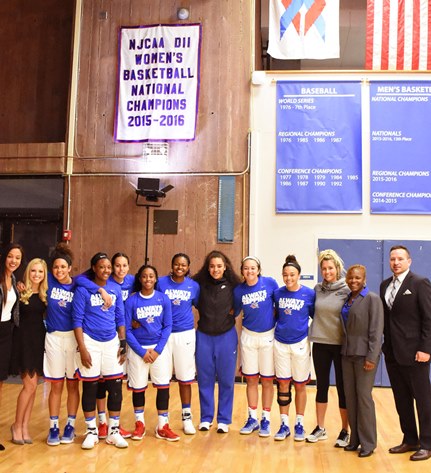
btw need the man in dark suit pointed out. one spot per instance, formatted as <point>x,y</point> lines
<point>406,299</point>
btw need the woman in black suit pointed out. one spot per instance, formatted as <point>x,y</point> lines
<point>10,260</point>
<point>362,321</point>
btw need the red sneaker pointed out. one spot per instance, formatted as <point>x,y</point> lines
<point>139,432</point>
<point>103,430</point>
<point>125,433</point>
<point>167,434</point>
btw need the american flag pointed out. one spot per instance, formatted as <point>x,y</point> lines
<point>398,35</point>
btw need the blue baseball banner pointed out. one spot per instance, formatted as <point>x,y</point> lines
<point>400,147</point>
<point>319,166</point>
<point>158,83</point>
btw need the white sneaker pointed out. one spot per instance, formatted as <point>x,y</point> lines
<point>317,434</point>
<point>188,427</point>
<point>116,439</point>
<point>343,439</point>
<point>205,426</point>
<point>91,439</point>
<point>222,428</point>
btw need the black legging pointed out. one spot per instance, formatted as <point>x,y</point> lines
<point>89,393</point>
<point>323,357</point>
<point>162,399</point>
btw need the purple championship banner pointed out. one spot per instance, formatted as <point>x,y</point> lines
<point>319,166</point>
<point>400,135</point>
<point>158,83</point>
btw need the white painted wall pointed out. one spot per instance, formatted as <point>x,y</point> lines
<point>273,236</point>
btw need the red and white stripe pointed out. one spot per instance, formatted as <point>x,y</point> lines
<point>398,35</point>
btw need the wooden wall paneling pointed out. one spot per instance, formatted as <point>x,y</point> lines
<point>32,158</point>
<point>197,222</point>
<point>209,113</point>
<point>32,150</point>
<point>107,71</point>
<point>34,78</point>
<point>229,58</point>
<point>53,71</point>
<point>76,224</point>
<point>207,152</point>
<point>85,143</point>
<point>221,143</point>
<point>258,60</point>
<point>104,217</point>
<point>28,165</point>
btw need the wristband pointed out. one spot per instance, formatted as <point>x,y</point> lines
<point>122,347</point>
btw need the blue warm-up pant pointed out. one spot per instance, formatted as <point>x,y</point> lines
<point>216,359</point>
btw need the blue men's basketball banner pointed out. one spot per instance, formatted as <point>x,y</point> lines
<point>319,166</point>
<point>304,29</point>
<point>400,137</point>
<point>158,83</point>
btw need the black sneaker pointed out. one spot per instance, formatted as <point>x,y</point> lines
<point>343,439</point>
<point>316,435</point>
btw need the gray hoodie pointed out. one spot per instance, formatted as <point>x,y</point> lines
<point>326,326</point>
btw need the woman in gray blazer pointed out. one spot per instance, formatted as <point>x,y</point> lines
<point>362,320</point>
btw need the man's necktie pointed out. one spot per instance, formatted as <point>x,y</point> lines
<point>393,292</point>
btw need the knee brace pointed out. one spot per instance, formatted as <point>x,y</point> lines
<point>88,401</point>
<point>162,399</point>
<point>138,399</point>
<point>101,389</point>
<point>284,399</point>
<point>115,396</point>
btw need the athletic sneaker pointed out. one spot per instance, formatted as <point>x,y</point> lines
<point>283,432</point>
<point>125,433</point>
<point>103,430</point>
<point>316,435</point>
<point>68,434</point>
<point>167,434</point>
<point>299,433</point>
<point>343,439</point>
<point>265,428</point>
<point>222,428</point>
<point>205,426</point>
<point>139,432</point>
<point>188,427</point>
<point>116,439</point>
<point>53,437</point>
<point>250,426</point>
<point>91,439</point>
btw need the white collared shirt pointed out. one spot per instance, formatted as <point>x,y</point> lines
<point>6,313</point>
<point>400,278</point>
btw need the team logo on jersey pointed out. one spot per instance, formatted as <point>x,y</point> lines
<point>178,295</point>
<point>148,313</point>
<point>59,294</point>
<point>290,303</point>
<point>254,298</point>
<point>97,301</point>
<point>288,311</point>
<point>62,303</point>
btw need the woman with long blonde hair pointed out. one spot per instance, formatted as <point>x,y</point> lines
<point>326,333</point>
<point>28,345</point>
